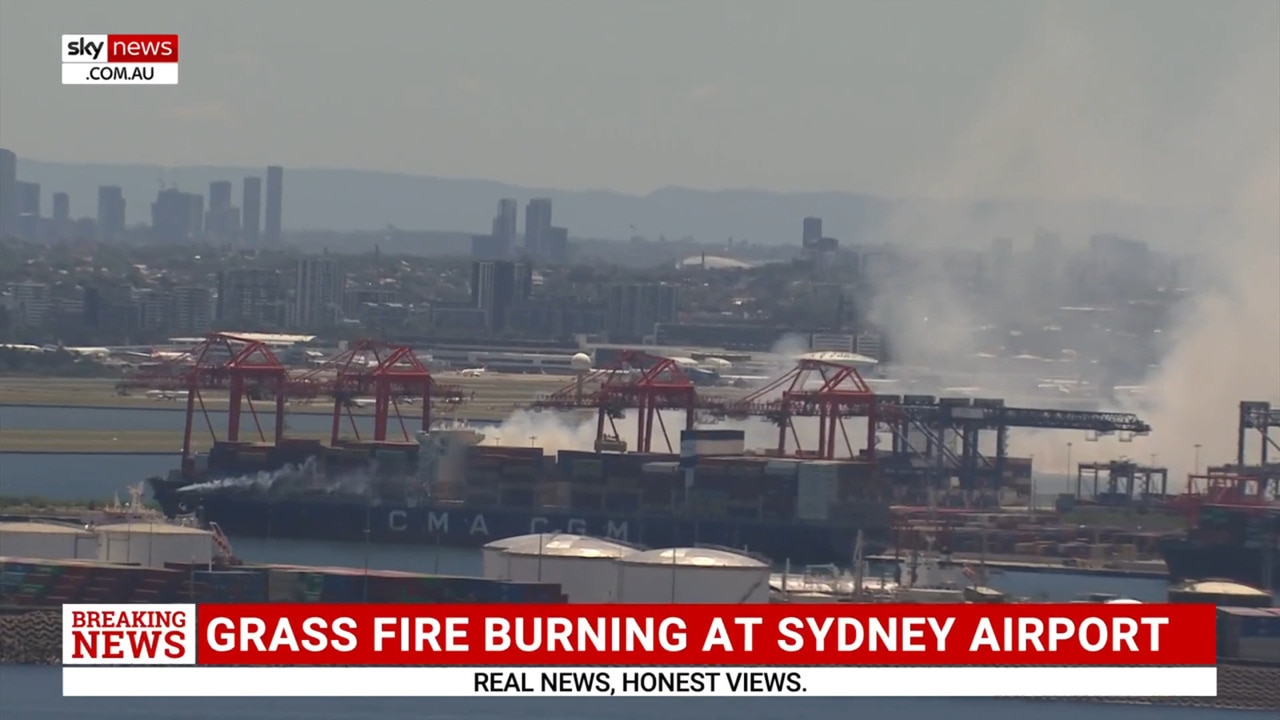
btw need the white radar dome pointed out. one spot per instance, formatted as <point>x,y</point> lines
<point>580,361</point>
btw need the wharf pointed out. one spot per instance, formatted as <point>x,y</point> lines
<point>1141,569</point>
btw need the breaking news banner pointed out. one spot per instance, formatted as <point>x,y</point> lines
<point>308,650</point>
<point>120,59</point>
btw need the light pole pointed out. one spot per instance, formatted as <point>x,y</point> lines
<point>1197,464</point>
<point>1031,498</point>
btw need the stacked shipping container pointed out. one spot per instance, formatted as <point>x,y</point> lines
<point>1250,634</point>
<point>626,484</point>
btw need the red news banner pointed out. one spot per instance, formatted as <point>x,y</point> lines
<point>832,650</point>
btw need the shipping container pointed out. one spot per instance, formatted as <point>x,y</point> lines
<point>448,492</point>
<point>661,468</point>
<point>517,497</point>
<point>483,479</point>
<point>622,502</point>
<point>482,499</point>
<point>657,497</point>
<point>554,494</point>
<point>816,489</point>
<point>785,467</point>
<point>247,586</point>
<point>1249,633</point>
<point>1259,649</point>
<point>584,500</point>
<point>592,470</point>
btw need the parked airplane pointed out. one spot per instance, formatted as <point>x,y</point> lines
<point>94,352</point>
<point>712,378</point>
<point>155,354</point>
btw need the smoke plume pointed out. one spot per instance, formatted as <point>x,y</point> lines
<point>555,431</point>
<point>306,476</point>
<point>1077,119</point>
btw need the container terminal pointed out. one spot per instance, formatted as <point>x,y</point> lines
<point>805,504</point>
<point>927,466</point>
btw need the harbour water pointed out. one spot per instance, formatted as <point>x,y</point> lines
<point>35,692</point>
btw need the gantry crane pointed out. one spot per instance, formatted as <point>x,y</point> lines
<point>813,388</point>
<point>636,381</point>
<point>371,367</point>
<point>246,368</point>
<point>1242,484</point>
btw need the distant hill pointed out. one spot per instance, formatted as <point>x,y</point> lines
<point>347,200</point>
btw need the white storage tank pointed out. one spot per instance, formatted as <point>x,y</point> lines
<point>493,556</point>
<point>584,567</point>
<point>692,575</point>
<point>152,544</point>
<point>47,541</point>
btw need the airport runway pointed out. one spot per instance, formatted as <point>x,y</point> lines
<point>488,396</point>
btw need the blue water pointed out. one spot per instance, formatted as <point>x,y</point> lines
<point>32,693</point>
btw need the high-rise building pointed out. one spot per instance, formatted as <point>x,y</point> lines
<point>251,212</point>
<point>812,231</point>
<point>496,286</point>
<point>219,195</point>
<point>319,289</point>
<point>8,190</point>
<point>537,222</point>
<point>275,205</point>
<point>30,302</point>
<point>195,214</point>
<point>176,217</point>
<point>61,207</point>
<point>504,225</point>
<point>555,246</point>
<point>634,309</point>
<point>111,307</point>
<point>223,219</point>
<point>250,297</point>
<point>110,212</point>
<point>28,198</point>
<point>192,312</point>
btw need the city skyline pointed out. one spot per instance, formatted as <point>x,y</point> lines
<point>175,215</point>
<point>988,99</point>
<point>355,201</point>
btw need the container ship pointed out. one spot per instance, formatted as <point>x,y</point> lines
<point>1233,511</point>
<point>1233,542</point>
<point>442,486</point>
<point>450,490</point>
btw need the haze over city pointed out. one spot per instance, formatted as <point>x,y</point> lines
<point>1156,121</point>
<point>1063,100</point>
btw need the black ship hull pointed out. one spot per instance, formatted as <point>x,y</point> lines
<point>1188,560</point>
<point>457,525</point>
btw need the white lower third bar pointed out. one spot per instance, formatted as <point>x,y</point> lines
<point>119,74</point>
<point>640,682</point>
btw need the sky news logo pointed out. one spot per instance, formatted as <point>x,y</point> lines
<point>120,59</point>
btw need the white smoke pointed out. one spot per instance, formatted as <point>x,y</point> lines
<point>555,431</point>
<point>306,475</point>
<point>1074,118</point>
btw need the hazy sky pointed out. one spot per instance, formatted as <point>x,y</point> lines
<point>890,96</point>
